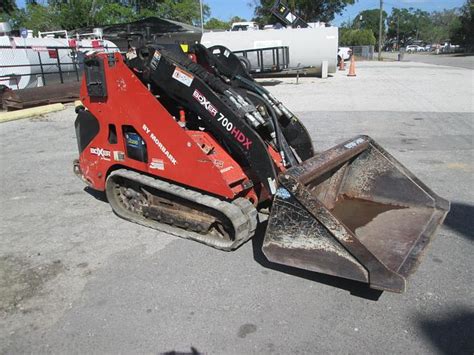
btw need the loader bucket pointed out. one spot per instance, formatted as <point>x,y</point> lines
<point>355,212</point>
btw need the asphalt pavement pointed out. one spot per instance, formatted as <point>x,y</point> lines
<point>459,60</point>
<point>75,278</point>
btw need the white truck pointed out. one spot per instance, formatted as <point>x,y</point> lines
<point>244,26</point>
<point>343,53</point>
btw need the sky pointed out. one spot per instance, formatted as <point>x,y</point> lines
<point>225,9</point>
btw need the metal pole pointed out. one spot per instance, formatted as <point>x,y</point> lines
<point>398,32</point>
<point>380,30</point>
<point>59,67</point>
<point>75,65</point>
<point>41,67</point>
<point>202,17</point>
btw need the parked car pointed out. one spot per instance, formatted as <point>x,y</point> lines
<point>343,53</point>
<point>414,48</point>
<point>448,47</point>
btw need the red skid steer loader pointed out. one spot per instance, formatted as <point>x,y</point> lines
<point>190,144</point>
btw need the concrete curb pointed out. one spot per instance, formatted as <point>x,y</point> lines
<point>29,112</point>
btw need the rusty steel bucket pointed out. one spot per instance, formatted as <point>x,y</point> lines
<point>353,211</point>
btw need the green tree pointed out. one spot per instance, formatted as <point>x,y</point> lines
<point>72,14</point>
<point>351,37</point>
<point>216,24</point>
<point>423,25</point>
<point>410,24</point>
<point>464,33</point>
<point>369,20</point>
<point>308,10</point>
<point>236,19</point>
<point>111,13</point>
<point>443,25</point>
<point>8,10</point>
<point>187,11</point>
<point>7,7</point>
<point>141,5</point>
<point>75,13</point>
<point>262,12</point>
<point>33,16</point>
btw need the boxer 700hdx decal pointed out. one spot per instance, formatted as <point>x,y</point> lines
<point>190,144</point>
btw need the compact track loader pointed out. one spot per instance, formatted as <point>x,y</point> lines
<point>190,144</point>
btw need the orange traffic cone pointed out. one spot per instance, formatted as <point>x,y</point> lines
<point>352,67</point>
<point>341,65</point>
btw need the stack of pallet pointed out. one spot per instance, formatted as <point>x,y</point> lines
<point>44,95</point>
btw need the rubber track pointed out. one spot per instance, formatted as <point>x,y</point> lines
<point>240,212</point>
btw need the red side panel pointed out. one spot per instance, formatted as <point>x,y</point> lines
<point>172,153</point>
<point>230,170</point>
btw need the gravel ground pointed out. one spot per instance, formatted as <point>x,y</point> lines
<point>460,60</point>
<point>74,278</point>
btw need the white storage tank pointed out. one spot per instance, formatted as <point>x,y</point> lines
<point>20,67</point>
<point>308,47</point>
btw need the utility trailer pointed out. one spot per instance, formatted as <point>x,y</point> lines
<point>307,47</point>
<point>264,60</point>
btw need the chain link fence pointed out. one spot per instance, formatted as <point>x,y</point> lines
<point>363,52</point>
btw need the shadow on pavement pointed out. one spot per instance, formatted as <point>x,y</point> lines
<point>98,195</point>
<point>452,333</point>
<point>461,219</point>
<point>192,351</point>
<point>463,55</point>
<point>355,288</point>
<point>270,82</point>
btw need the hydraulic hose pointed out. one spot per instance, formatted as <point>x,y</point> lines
<point>286,153</point>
